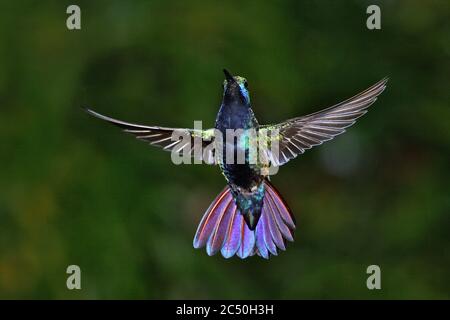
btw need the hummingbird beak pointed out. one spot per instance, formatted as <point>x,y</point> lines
<point>228,76</point>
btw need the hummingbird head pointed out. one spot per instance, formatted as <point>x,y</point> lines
<point>235,89</point>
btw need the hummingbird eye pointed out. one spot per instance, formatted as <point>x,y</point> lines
<point>246,85</point>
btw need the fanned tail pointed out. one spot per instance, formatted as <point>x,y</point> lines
<point>223,228</point>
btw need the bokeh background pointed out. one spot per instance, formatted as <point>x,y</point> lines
<point>74,190</point>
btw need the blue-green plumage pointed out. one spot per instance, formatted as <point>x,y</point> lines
<point>244,179</point>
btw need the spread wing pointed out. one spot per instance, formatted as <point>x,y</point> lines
<point>177,140</point>
<point>296,135</point>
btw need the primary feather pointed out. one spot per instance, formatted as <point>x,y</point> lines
<point>296,135</point>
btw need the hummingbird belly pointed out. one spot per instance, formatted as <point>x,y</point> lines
<point>238,126</point>
<point>243,176</point>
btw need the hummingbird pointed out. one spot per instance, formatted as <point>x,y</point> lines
<point>249,216</point>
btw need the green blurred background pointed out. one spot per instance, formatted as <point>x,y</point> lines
<point>74,190</point>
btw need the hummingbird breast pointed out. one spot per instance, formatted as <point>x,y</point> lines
<point>231,119</point>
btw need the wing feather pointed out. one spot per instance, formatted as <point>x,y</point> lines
<point>296,135</point>
<point>163,136</point>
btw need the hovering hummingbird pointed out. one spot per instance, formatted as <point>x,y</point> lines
<point>249,216</point>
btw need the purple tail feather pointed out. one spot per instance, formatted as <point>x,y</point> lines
<point>223,228</point>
